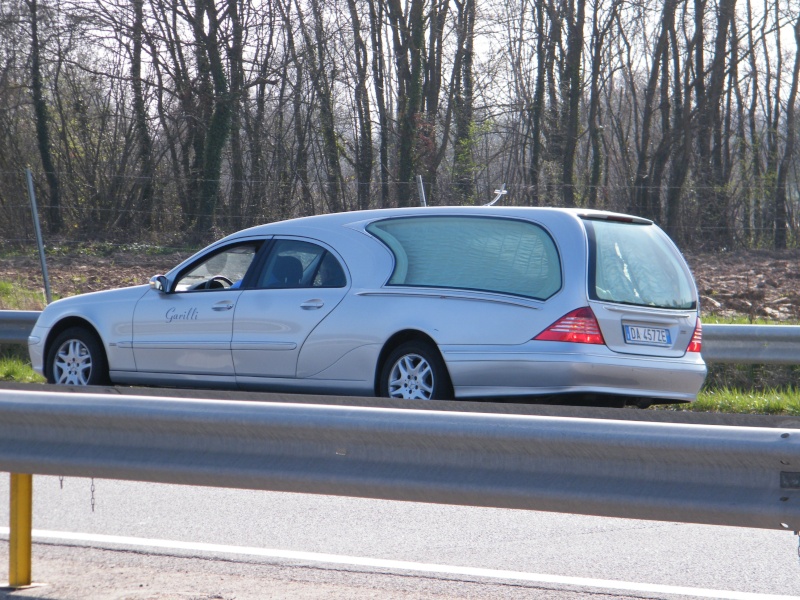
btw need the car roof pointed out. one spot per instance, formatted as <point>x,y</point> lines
<point>342,219</point>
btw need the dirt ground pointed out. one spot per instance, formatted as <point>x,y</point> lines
<point>757,284</point>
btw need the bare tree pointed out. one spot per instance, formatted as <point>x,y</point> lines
<point>54,217</point>
<point>364,152</point>
<point>317,56</point>
<point>140,116</point>
<point>572,85</point>
<point>463,98</point>
<point>379,85</point>
<point>408,37</point>
<point>600,33</point>
<point>789,148</point>
<point>645,192</point>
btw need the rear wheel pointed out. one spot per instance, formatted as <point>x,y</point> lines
<point>415,371</point>
<point>77,357</point>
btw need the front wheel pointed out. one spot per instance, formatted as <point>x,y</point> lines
<point>415,371</point>
<point>76,357</point>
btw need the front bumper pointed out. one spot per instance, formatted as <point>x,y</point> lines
<point>36,344</point>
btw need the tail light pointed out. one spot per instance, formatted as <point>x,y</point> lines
<point>697,338</point>
<point>579,327</point>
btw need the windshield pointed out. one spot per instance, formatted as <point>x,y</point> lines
<point>633,263</point>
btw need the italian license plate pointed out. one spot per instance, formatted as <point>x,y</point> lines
<point>648,336</point>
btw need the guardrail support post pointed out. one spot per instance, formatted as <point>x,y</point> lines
<point>21,518</point>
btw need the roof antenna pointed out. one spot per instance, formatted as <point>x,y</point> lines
<point>421,191</point>
<point>500,193</point>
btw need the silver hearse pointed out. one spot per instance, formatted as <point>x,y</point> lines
<point>428,303</point>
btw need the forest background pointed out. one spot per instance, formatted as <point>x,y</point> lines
<point>175,121</point>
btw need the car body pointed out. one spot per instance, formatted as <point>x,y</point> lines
<point>438,302</point>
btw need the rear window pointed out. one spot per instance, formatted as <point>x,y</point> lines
<point>473,253</point>
<point>634,263</point>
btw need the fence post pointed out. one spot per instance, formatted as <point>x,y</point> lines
<point>38,229</point>
<point>21,517</point>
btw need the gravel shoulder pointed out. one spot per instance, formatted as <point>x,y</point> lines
<point>63,572</point>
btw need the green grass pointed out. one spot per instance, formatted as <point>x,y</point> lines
<point>712,319</point>
<point>724,400</point>
<point>14,296</point>
<point>729,400</point>
<point>13,368</point>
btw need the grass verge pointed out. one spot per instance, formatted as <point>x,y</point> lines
<point>14,368</point>
<point>724,400</point>
<point>731,400</point>
<point>15,297</point>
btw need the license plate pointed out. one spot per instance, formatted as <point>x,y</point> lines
<point>648,336</point>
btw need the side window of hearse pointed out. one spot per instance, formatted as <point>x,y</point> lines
<point>508,256</point>
<point>299,264</point>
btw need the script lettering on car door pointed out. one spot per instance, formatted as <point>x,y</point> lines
<point>190,314</point>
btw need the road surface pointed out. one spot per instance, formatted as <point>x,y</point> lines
<point>155,541</point>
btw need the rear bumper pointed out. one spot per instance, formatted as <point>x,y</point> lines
<point>571,368</point>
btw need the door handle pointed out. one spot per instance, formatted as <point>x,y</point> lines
<point>222,306</point>
<point>312,304</point>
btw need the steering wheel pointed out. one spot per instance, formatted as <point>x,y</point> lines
<point>218,282</point>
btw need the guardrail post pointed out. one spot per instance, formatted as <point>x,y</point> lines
<point>21,518</point>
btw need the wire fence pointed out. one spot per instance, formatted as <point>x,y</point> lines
<point>117,213</point>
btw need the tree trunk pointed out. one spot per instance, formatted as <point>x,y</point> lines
<point>788,151</point>
<point>364,154</point>
<point>755,145</point>
<point>146,163</point>
<point>54,218</point>
<point>316,56</point>
<point>409,36</point>
<point>682,135</point>
<point>218,127</point>
<point>463,161</point>
<point>712,195</point>
<point>595,129</point>
<point>379,78</point>
<point>574,86</point>
<point>236,61</point>
<point>642,186</point>
<point>537,107</point>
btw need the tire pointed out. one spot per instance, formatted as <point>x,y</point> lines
<point>77,357</point>
<point>415,371</point>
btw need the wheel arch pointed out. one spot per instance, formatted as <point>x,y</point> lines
<point>61,327</point>
<point>401,337</point>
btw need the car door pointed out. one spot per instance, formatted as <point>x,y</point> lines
<point>187,329</point>
<point>299,284</point>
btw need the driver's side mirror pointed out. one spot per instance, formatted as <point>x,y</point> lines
<point>159,283</point>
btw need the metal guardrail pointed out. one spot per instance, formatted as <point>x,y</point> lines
<point>16,325</point>
<point>752,344</point>
<point>741,476</point>
<point>742,344</point>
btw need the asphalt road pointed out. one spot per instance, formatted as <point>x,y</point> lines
<point>278,545</point>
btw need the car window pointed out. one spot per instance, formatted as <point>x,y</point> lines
<point>489,254</point>
<point>634,263</point>
<point>297,264</point>
<point>221,270</point>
